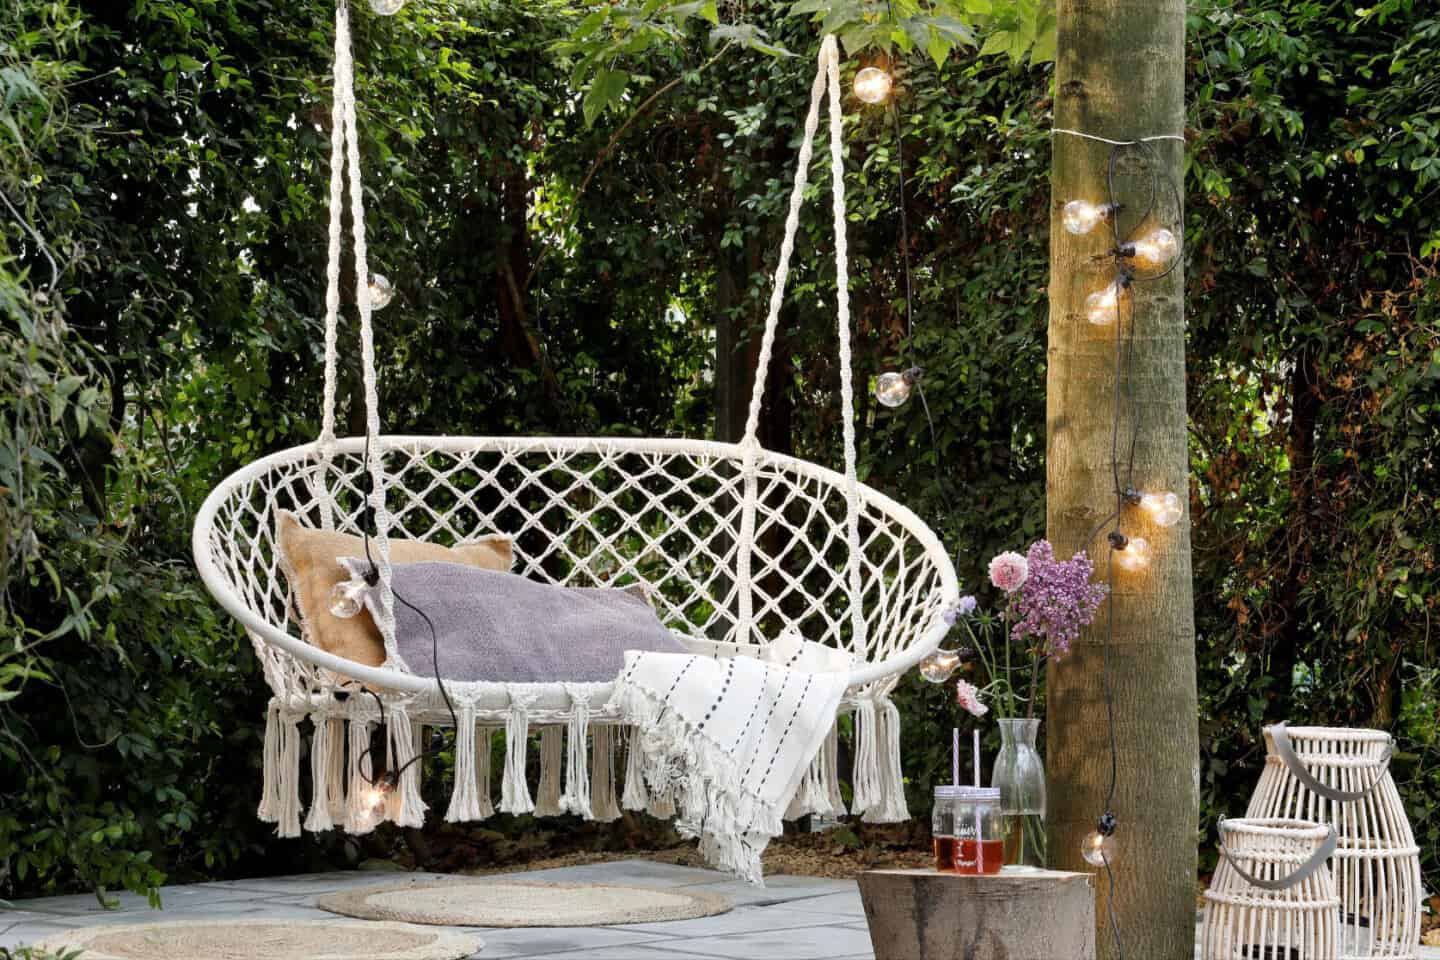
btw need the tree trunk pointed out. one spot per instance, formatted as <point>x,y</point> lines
<point>1120,74</point>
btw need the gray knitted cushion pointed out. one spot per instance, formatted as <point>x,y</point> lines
<point>503,627</point>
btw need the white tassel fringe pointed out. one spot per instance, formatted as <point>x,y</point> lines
<point>602,774</point>
<point>552,756</point>
<point>514,791</point>
<point>892,807</point>
<point>576,798</point>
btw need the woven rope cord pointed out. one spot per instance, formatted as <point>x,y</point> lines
<point>827,75</point>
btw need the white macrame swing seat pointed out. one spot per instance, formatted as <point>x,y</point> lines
<point>735,544</point>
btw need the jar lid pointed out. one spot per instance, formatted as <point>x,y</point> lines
<point>975,794</point>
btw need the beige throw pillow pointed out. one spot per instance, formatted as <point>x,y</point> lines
<point>309,559</point>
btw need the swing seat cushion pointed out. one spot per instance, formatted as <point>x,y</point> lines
<point>309,556</point>
<point>504,628</point>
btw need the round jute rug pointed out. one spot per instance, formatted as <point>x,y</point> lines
<point>266,940</point>
<point>521,903</point>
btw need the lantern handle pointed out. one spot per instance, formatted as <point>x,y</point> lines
<point>1281,738</point>
<point>1316,861</point>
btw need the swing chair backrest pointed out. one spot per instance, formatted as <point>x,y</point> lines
<point>735,544</point>
<point>591,512</point>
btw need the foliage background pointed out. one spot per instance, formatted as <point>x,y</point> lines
<point>170,157</point>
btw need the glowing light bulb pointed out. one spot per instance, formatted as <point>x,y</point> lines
<point>386,8</point>
<point>893,389</point>
<point>1164,508</point>
<point>873,85</point>
<point>938,667</point>
<point>347,598</point>
<point>1134,556</point>
<point>1101,306</point>
<point>1082,216</point>
<point>1098,849</point>
<point>1157,249</point>
<point>381,292</point>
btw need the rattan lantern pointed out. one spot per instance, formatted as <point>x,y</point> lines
<point>1341,777</point>
<point>1273,896</point>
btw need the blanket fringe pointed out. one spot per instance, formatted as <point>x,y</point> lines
<point>576,798</point>
<point>552,756</point>
<point>892,807</point>
<point>602,774</point>
<point>733,826</point>
<point>514,791</point>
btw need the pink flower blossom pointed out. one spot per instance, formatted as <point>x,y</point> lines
<point>969,698</point>
<point>1058,599</point>
<point>1008,571</point>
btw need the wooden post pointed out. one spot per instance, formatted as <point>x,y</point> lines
<point>925,915</point>
<point>1120,73</point>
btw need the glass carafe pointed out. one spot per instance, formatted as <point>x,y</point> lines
<point>1020,776</point>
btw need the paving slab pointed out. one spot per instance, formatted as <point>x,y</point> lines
<point>542,941</point>
<point>807,943</point>
<point>739,920</point>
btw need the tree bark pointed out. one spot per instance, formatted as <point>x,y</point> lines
<point>1120,74</point>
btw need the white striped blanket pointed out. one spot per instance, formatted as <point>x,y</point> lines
<point>731,740</point>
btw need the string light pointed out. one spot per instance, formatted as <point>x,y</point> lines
<point>1082,216</point>
<point>873,85</point>
<point>387,8</point>
<point>1156,249</point>
<point>893,389</point>
<point>938,667</point>
<point>1165,508</point>
<point>1160,248</point>
<point>1102,306</point>
<point>1132,553</point>
<point>1098,850</point>
<point>347,598</point>
<point>381,291</point>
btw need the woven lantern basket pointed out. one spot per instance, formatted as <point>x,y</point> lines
<point>1341,777</point>
<point>1273,896</point>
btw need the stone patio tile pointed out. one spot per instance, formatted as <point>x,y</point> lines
<point>742,893</point>
<point>741,920</point>
<point>845,904</point>
<point>542,941</point>
<point>808,943</point>
<point>637,952</point>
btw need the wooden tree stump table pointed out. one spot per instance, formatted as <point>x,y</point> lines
<point>1031,915</point>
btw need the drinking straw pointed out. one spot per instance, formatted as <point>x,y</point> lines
<point>977,756</point>
<point>955,756</point>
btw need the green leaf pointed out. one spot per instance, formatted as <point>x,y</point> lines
<point>938,48</point>
<point>998,42</point>
<point>604,93</point>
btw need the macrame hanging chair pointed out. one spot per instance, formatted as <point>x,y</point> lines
<point>735,544</point>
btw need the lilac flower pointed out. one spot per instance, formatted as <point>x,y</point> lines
<point>963,608</point>
<point>1058,598</point>
<point>969,698</point>
<point>1008,571</point>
